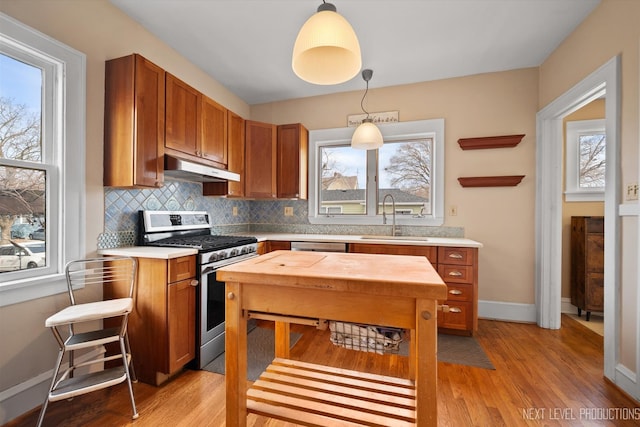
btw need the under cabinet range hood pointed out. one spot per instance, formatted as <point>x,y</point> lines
<point>196,172</point>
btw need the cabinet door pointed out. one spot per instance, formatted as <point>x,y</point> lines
<point>260,161</point>
<point>134,123</point>
<point>235,160</point>
<point>213,135</point>
<point>181,116</point>
<point>292,161</point>
<point>235,140</point>
<point>182,323</point>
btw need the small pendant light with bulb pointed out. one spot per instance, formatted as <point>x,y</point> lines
<point>367,135</point>
<point>326,51</point>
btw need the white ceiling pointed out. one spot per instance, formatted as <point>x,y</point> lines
<point>246,44</point>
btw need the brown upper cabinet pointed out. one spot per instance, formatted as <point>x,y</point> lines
<point>235,160</point>
<point>260,160</point>
<point>181,117</point>
<point>196,126</point>
<point>293,147</point>
<point>276,160</point>
<point>235,141</point>
<point>134,123</point>
<point>214,130</point>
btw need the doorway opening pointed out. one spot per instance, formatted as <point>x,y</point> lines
<point>548,273</point>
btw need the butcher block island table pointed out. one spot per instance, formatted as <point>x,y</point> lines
<point>294,287</point>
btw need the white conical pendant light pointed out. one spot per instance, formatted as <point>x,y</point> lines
<point>326,51</point>
<point>367,136</point>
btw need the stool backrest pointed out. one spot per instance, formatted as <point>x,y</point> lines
<point>118,273</point>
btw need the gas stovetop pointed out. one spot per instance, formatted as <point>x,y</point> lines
<point>205,243</point>
<point>191,229</point>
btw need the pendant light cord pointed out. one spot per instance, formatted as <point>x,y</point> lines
<point>363,97</point>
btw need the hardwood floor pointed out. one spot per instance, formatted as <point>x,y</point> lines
<point>542,377</point>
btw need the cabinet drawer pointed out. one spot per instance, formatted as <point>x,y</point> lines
<point>458,256</point>
<point>459,292</point>
<point>182,268</point>
<point>595,225</point>
<point>456,273</point>
<point>431,252</point>
<point>277,245</point>
<point>459,317</point>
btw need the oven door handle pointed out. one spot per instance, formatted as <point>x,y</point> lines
<point>208,270</point>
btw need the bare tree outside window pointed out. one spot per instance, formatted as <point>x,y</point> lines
<point>22,175</point>
<point>410,167</point>
<point>592,160</point>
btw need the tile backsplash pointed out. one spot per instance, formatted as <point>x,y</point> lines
<point>122,206</point>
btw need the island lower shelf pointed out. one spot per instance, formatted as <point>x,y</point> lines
<point>312,394</point>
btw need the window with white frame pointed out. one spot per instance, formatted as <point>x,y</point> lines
<point>42,174</point>
<point>348,186</point>
<point>586,142</point>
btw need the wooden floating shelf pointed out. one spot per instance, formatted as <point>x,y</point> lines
<point>491,181</point>
<point>505,141</point>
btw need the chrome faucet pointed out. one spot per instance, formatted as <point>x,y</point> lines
<point>384,213</point>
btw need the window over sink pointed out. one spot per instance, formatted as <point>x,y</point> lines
<point>42,157</point>
<point>348,186</point>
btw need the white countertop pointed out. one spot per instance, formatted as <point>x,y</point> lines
<point>169,253</point>
<point>148,252</point>
<point>388,240</point>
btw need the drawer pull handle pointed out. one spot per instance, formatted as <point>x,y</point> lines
<point>194,282</point>
<point>455,273</point>
<point>455,310</point>
<point>455,292</point>
<point>455,255</point>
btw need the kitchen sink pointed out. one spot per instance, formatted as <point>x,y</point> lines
<point>406,238</point>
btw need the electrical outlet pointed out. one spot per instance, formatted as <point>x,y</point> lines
<point>288,211</point>
<point>632,192</point>
<point>234,211</point>
<point>453,210</point>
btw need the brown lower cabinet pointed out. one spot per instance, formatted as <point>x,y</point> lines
<point>458,267</point>
<point>162,328</point>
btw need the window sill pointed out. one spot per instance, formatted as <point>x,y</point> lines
<point>29,289</point>
<point>584,196</point>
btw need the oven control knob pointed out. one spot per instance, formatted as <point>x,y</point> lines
<point>223,255</point>
<point>213,257</point>
<point>244,250</point>
<point>234,252</point>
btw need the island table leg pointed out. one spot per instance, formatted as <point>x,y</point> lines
<point>235,357</point>
<point>426,363</point>
<point>282,339</point>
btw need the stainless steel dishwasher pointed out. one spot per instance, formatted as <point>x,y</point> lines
<point>319,246</point>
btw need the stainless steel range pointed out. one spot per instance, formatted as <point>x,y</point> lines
<point>191,229</point>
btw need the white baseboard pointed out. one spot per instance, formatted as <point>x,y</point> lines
<point>30,394</point>
<point>567,307</point>
<point>627,380</point>
<point>507,311</point>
